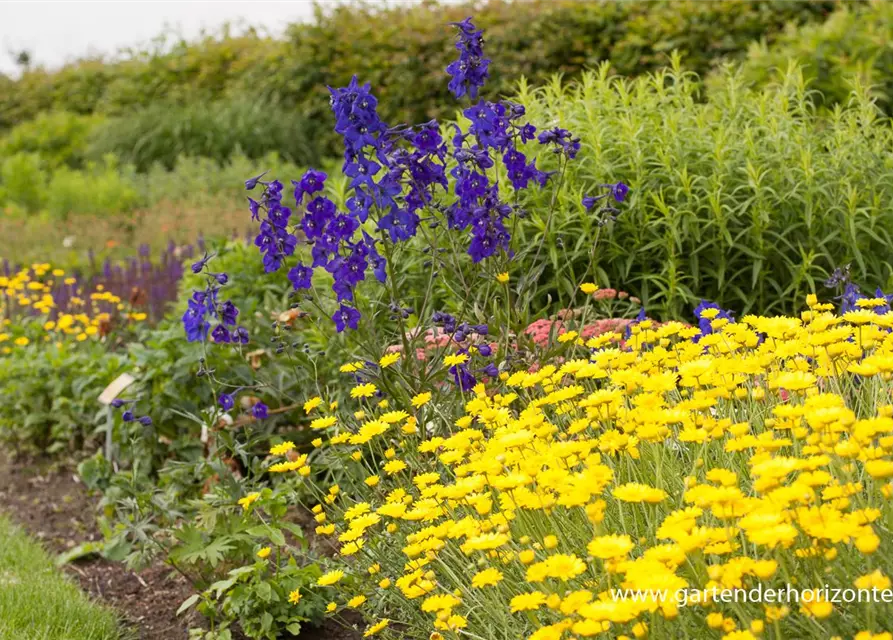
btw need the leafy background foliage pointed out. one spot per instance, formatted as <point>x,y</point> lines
<point>50,397</point>
<point>402,52</point>
<point>851,45</point>
<point>160,134</point>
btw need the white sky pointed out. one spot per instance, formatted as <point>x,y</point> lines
<point>55,32</point>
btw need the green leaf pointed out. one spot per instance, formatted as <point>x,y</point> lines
<point>264,591</point>
<point>79,552</point>
<point>212,553</point>
<point>241,571</point>
<point>188,602</point>
<point>222,586</point>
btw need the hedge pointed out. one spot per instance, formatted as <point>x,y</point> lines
<point>851,46</point>
<point>403,52</point>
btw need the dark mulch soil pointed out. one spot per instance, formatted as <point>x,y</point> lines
<point>50,503</point>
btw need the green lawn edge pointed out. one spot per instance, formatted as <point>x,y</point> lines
<point>38,602</point>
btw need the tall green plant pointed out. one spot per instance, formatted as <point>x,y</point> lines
<point>751,198</point>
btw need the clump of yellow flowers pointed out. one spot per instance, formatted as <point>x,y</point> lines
<point>31,295</point>
<point>666,462</point>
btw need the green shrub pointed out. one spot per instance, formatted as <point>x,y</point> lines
<point>750,199</point>
<point>59,138</point>
<point>199,181</point>
<point>161,133</point>
<point>103,188</point>
<point>100,189</point>
<point>23,181</point>
<point>28,184</point>
<point>851,46</point>
<point>401,50</point>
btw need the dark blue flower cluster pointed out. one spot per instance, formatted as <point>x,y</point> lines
<point>274,240</point>
<point>851,294</point>
<point>495,131</point>
<point>205,306</point>
<point>470,71</point>
<point>462,374</point>
<point>128,415</point>
<point>459,332</point>
<point>395,174</point>
<point>331,235</point>
<point>840,276</point>
<point>561,140</point>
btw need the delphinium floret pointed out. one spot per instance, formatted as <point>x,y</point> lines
<point>128,414</point>
<point>604,211</point>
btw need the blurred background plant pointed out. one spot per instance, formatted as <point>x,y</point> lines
<point>60,138</point>
<point>112,210</point>
<point>851,47</point>
<point>400,49</point>
<point>159,135</point>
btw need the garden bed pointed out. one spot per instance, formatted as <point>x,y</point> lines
<point>51,504</point>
